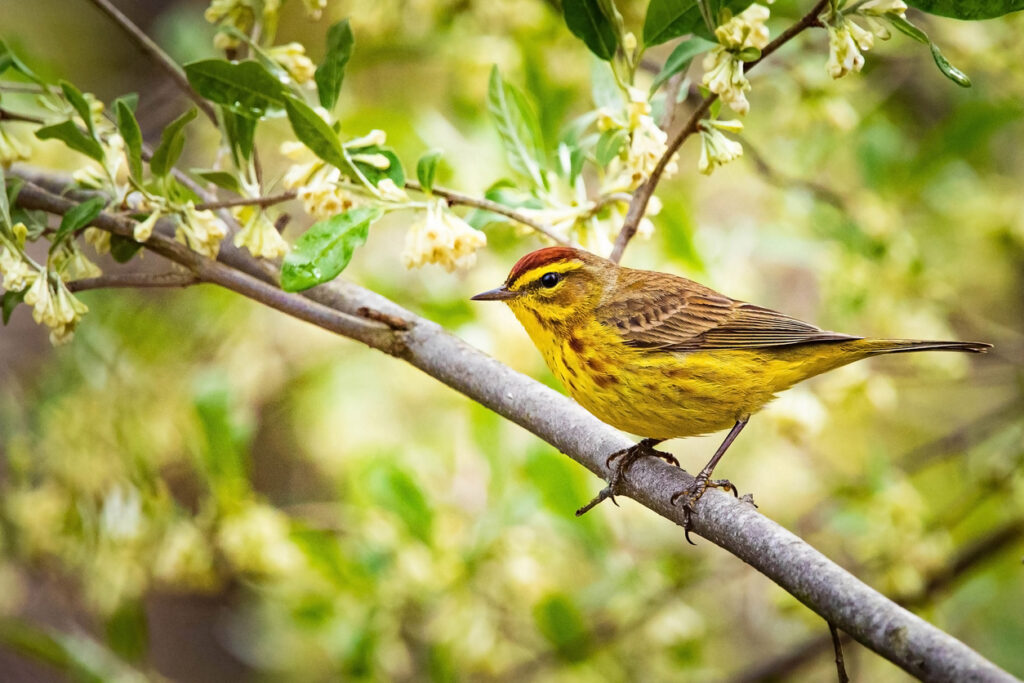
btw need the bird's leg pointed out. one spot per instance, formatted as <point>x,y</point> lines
<point>703,481</point>
<point>628,457</point>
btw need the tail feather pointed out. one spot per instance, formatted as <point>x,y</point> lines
<point>879,346</point>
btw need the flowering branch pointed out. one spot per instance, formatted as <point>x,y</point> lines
<point>734,524</point>
<point>133,281</point>
<point>642,196</point>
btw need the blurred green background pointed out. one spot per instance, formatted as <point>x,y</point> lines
<point>200,489</point>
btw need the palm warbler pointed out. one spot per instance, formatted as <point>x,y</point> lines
<point>662,357</point>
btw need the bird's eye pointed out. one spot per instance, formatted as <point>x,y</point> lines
<point>549,280</point>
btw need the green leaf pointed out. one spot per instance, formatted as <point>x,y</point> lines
<point>426,169</point>
<point>68,133</point>
<point>374,174</point>
<point>128,126</point>
<point>226,437</point>
<point>6,199</point>
<point>11,301</point>
<point>393,489</point>
<point>951,72</point>
<point>331,73</point>
<point>9,60</point>
<point>243,87</point>
<point>172,141</point>
<point>908,28</point>
<point>123,249</point>
<point>609,145</point>
<point>968,9</point>
<point>131,100</point>
<point>588,22</point>
<point>326,248</point>
<point>78,217</point>
<point>314,132</point>
<point>127,631</point>
<point>78,101</point>
<point>668,19</point>
<point>681,58</point>
<point>219,178</point>
<point>240,130</point>
<point>604,89</point>
<point>517,126</point>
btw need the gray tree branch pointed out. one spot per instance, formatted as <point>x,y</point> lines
<point>840,598</point>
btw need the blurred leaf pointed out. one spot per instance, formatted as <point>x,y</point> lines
<point>172,142</point>
<point>518,128</point>
<point>130,100</point>
<point>560,621</point>
<point>668,19</point>
<point>326,248</point>
<point>426,169</point>
<point>123,249</point>
<point>78,101</point>
<point>222,179</point>
<point>77,217</point>
<point>245,87</point>
<point>128,126</point>
<point>588,22</point>
<point>225,439</point>
<point>681,58</point>
<point>68,133</point>
<point>8,193</point>
<point>9,60</point>
<point>393,489</point>
<point>10,302</point>
<point>968,9</point>
<point>314,132</point>
<point>128,632</point>
<point>503,192</point>
<point>331,73</point>
<point>609,145</point>
<point>604,89</point>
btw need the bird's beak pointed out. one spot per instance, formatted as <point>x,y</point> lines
<point>499,294</point>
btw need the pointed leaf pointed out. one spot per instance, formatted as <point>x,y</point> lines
<point>374,174</point>
<point>909,29</point>
<point>9,60</point>
<point>681,58</point>
<point>68,133</point>
<point>668,19</point>
<point>517,126</point>
<point>314,132</point>
<point>11,301</point>
<point>426,169</point>
<point>219,178</point>
<point>77,217</point>
<point>6,200</point>
<point>240,131</point>
<point>331,73</point>
<point>326,248</point>
<point>952,73</point>
<point>78,101</point>
<point>122,249</point>
<point>128,126</point>
<point>968,9</point>
<point>172,142</point>
<point>588,22</point>
<point>244,87</point>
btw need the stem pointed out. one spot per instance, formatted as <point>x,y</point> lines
<point>248,201</point>
<point>156,53</point>
<point>642,196</point>
<point>133,280</point>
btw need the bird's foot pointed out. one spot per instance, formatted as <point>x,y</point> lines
<point>693,493</point>
<point>626,457</point>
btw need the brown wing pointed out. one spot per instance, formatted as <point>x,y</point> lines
<point>661,311</point>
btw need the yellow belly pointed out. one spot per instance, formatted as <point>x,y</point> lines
<point>664,395</point>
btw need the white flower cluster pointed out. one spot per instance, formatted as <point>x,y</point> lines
<point>647,144</point>
<point>292,58</point>
<point>715,148</point>
<point>201,230</point>
<point>723,65</point>
<point>847,39</point>
<point>443,238</point>
<point>258,233</point>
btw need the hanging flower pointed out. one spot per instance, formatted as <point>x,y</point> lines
<point>443,238</point>
<point>847,39</point>
<point>292,58</point>
<point>723,65</point>
<point>11,149</point>
<point>201,230</point>
<point>55,306</point>
<point>715,148</point>
<point>258,233</point>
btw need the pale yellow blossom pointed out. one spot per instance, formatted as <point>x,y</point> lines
<point>201,230</point>
<point>292,58</point>
<point>99,239</point>
<point>715,148</point>
<point>55,306</point>
<point>16,271</point>
<point>11,149</point>
<point>723,66</point>
<point>144,229</point>
<point>843,55</point>
<point>258,233</point>
<point>848,39</point>
<point>443,238</point>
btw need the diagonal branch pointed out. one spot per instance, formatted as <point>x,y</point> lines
<point>643,194</point>
<point>734,524</point>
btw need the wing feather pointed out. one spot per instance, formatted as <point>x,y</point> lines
<point>662,311</point>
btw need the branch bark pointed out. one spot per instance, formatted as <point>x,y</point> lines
<point>734,524</point>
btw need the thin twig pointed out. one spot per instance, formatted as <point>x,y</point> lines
<point>156,53</point>
<point>248,201</point>
<point>133,281</point>
<point>642,196</point>
<point>837,645</point>
<point>454,197</point>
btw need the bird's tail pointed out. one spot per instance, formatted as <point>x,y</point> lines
<point>879,346</point>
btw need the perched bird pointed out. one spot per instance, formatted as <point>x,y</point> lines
<point>662,357</point>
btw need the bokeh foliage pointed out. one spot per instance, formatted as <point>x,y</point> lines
<point>317,510</point>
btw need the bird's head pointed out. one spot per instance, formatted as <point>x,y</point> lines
<point>555,284</point>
